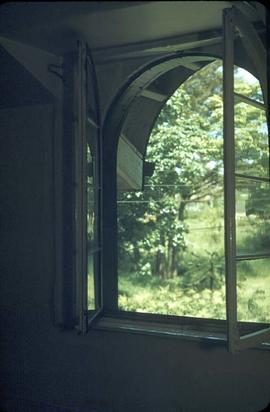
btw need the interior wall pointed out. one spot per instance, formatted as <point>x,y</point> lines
<point>46,369</point>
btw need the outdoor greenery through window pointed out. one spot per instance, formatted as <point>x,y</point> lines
<point>92,237</point>
<point>171,235</point>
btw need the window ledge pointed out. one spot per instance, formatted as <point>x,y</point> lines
<point>157,329</point>
<point>165,330</point>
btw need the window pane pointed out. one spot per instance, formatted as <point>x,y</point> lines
<point>92,191</point>
<point>92,233</point>
<point>253,289</point>
<point>252,217</point>
<point>251,141</point>
<point>91,211</point>
<point>90,282</point>
<point>246,84</point>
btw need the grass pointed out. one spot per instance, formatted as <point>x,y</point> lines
<point>182,297</point>
<point>171,297</point>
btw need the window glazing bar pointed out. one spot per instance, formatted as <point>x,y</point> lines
<point>241,98</point>
<point>255,178</point>
<point>229,179</point>
<point>240,258</point>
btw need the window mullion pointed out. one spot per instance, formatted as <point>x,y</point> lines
<point>229,180</point>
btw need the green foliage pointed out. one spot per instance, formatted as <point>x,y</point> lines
<point>174,297</point>
<point>170,297</point>
<point>170,238</point>
<point>186,147</point>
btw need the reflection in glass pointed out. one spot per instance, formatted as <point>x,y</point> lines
<point>90,282</point>
<point>251,141</point>
<point>253,290</point>
<point>90,212</point>
<point>252,217</point>
<point>91,230</point>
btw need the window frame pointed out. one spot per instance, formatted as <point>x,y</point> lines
<point>232,20</point>
<point>180,326</point>
<point>80,93</point>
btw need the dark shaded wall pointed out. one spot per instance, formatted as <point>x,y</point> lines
<point>45,369</point>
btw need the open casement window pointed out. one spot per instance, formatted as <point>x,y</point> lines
<point>125,169</point>
<point>246,180</point>
<point>82,300</point>
<point>137,203</point>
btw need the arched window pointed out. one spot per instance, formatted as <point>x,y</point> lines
<point>183,161</point>
<point>171,233</point>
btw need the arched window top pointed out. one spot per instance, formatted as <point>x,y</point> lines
<point>209,162</point>
<point>171,232</point>
<point>150,104</point>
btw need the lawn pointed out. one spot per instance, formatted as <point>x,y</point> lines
<point>183,296</point>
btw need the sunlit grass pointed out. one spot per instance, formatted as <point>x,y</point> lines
<point>254,290</point>
<point>169,297</point>
<point>183,296</point>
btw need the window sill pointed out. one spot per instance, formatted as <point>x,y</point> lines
<point>201,331</point>
<point>156,329</point>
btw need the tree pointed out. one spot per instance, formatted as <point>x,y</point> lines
<point>186,146</point>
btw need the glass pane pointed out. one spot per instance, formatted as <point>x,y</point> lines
<point>247,85</point>
<point>253,289</point>
<point>92,187</point>
<point>251,141</point>
<point>90,212</point>
<point>92,234</point>
<point>91,93</point>
<point>90,282</point>
<point>252,217</point>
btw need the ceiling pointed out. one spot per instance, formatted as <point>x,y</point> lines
<point>107,25</point>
